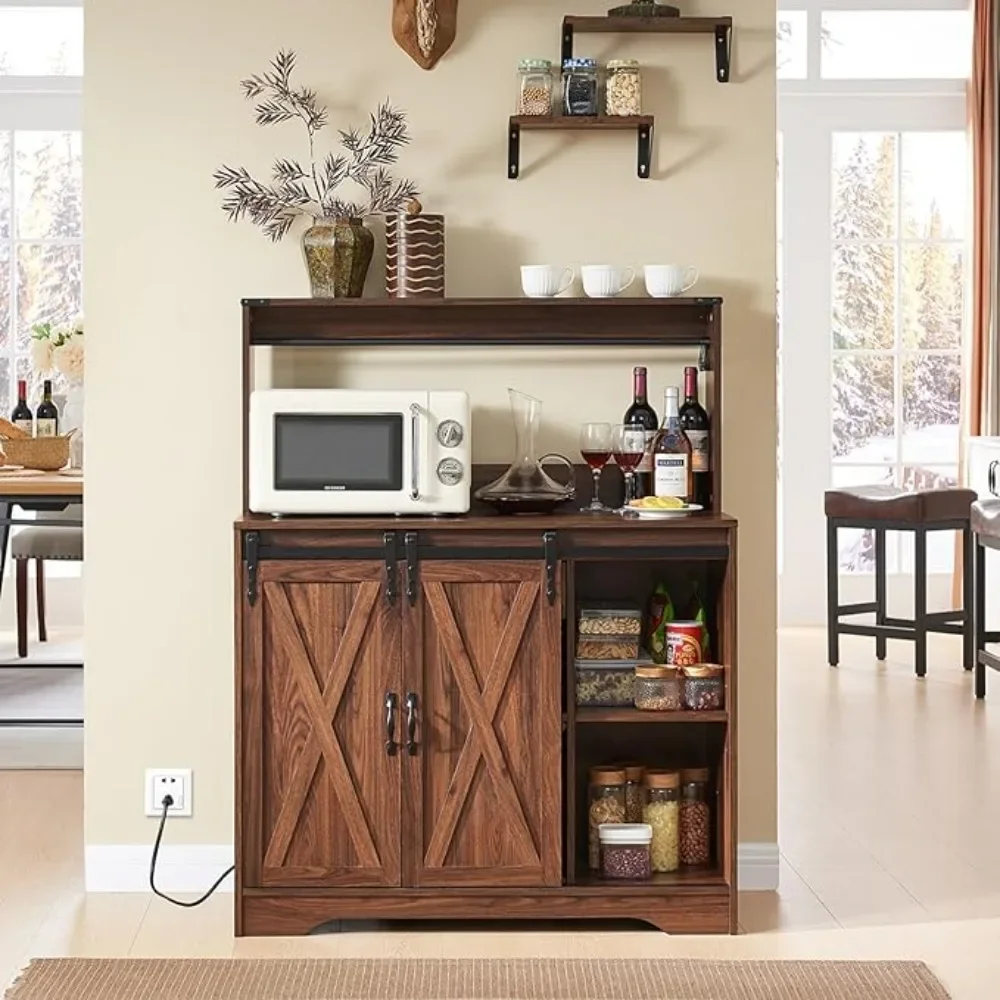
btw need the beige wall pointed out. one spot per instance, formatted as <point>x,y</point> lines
<point>165,273</point>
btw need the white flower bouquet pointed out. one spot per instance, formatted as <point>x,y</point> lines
<point>59,347</point>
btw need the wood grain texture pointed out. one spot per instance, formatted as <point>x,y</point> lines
<point>424,48</point>
<point>487,795</point>
<point>40,484</point>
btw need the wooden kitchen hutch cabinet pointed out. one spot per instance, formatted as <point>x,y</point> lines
<point>408,743</point>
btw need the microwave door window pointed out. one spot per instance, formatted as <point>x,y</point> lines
<point>338,452</point>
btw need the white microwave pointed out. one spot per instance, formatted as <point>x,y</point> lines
<point>355,451</point>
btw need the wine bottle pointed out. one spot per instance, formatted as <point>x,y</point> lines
<point>672,453</point>
<point>21,417</point>
<point>698,428</point>
<point>46,416</point>
<point>640,412</point>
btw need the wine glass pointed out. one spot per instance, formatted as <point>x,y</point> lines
<point>628,446</point>
<point>595,446</point>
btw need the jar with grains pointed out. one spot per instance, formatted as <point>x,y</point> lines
<point>606,804</point>
<point>635,797</point>
<point>704,687</point>
<point>535,84</point>
<point>657,689</point>
<point>624,87</point>
<point>625,851</point>
<point>695,816</point>
<point>580,85</point>
<point>662,814</point>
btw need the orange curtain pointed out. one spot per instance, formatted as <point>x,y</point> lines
<point>981,386</point>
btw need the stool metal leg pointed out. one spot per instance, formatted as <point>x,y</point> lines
<point>968,588</point>
<point>832,594</point>
<point>880,595</point>
<point>920,601</point>
<point>979,616</point>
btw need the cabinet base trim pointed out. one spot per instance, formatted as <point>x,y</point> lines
<point>757,867</point>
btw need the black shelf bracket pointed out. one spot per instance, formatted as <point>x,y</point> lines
<point>550,543</point>
<point>723,51</point>
<point>567,41</point>
<point>412,566</point>
<point>644,142</point>
<point>513,151</point>
<point>251,542</point>
<point>391,588</point>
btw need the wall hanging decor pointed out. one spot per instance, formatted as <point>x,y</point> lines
<point>414,254</point>
<point>424,29</point>
<point>337,246</point>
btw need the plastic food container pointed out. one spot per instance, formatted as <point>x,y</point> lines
<point>625,851</point>
<point>606,619</point>
<point>606,684</point>
<point>704,687</point>
<point>607,647</point>
<point>657,689</point>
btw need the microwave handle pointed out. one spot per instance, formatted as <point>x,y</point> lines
<point>414,452</point>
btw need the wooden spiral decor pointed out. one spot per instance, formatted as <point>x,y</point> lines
<point>414,259</point>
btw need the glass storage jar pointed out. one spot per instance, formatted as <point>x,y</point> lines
<point>580,86</point>
<point>695,817</point>
<point>657,689</point>
<point>704,687</point>
<point>635,797</point>
<point>605,804</point>
<point>662,815</point>
<point>535,84</point>
<point>625,851</point>
<point>623,88</point>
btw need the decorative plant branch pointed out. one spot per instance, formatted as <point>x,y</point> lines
<point>295,189</point>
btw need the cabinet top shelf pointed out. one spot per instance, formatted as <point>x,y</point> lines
<point>480,322</point>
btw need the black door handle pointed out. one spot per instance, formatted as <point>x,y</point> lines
<point>991,478</point>
<point>411,724</point>
<point>391,746</point>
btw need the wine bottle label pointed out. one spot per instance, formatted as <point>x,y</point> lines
<point>700,459</point>
<point>45,427</point>
<point>25,424</point>
<point>646,462</point>
<point>670,475</point>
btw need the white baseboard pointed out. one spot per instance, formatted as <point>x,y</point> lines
<point>194,867</point>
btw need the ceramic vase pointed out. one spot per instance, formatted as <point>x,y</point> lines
<point>338,254</point>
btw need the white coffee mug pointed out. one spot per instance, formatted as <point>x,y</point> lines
<point>545,281</point>
<point>666,280</point>
<point>604,281</point>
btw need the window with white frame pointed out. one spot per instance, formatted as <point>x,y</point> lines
<point>41,238</point>
<point>875,194</point>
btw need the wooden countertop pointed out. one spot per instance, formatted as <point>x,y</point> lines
<point>23,483</point>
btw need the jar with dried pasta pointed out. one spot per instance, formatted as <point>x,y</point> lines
<point>535,84</point>
<point>623,89</point>
<point>695,817</point>
<point>661,813</point>
<point>605,804</point>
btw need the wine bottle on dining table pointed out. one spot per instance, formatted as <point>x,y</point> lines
<point>640,412</point>
<point>22,416</point>
<point>46,416</point>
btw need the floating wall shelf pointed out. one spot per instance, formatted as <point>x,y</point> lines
<point>641,124</point>
<point>720,27</point>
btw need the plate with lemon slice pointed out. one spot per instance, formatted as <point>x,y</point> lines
<point>656,508</point>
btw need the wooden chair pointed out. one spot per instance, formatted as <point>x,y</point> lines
<point>40,544</point>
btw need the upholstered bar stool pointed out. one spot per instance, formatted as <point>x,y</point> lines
<point>985,521</point>
<point>885,508</point>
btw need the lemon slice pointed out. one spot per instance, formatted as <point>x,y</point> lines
<point>658,503</point>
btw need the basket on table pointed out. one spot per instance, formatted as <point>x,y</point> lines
<point>47,454</point>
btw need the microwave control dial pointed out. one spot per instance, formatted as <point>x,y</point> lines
<point>450,471</point>
<point>450,433</point>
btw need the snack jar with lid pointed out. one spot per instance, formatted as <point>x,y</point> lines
<point>657,689</point>
<point>624,87</point>
<point>695,817</point>
<point>605,805</point>
<point>609,619</point>
<point>704,687</point>
<point>535,83</point>
<point>580,86</point>
<point>635,796</point>
<point>625,851</point>
<point>662,815</point>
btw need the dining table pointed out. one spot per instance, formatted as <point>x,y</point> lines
<point>38,495</point>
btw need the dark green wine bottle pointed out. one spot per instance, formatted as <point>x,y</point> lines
<point>46,416</point>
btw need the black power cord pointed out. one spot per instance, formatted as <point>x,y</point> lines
<point>168,801</point>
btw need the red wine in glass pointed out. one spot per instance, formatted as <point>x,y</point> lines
<point>597,459</point>
<point>628,460</point>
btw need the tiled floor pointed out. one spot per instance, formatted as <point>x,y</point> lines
<point>889,807</point>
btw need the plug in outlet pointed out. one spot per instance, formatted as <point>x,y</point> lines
<point>172,781</point>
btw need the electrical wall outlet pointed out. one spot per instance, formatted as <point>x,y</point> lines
<point>172,781</point>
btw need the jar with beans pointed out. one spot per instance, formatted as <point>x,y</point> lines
<point>535,83</point>
<point>635,797</point>
<point>623,94</point>
<point>704,687</point>
<point>625,851</point>
<point>695,817</point>
<point>662,814</point>
<point>606,804</point>
<point>657,689</point>
<point>580,86</point>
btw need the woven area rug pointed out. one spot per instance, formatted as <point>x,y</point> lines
<point>471,979</point>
